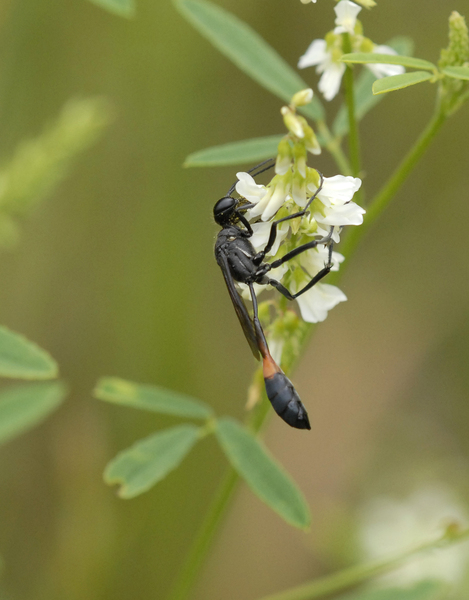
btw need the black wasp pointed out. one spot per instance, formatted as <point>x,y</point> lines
<point>240,262</point>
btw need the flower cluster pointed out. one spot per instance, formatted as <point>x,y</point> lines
<point>325,54</point>
<point>289,191</point>
<point>389,527</point>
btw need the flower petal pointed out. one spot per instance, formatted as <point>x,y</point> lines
<point>248,188</point>
<point>314,55</point>
<point>346,12</point>
<point>318,301</point>
<point>329,84</point>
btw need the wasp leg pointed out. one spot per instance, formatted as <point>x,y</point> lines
<point>231,190</point>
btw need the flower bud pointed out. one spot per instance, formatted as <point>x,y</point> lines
<point>457,52</point>
<point>292,122</point>
<point>299,154</point>
<point>311,141</point>
<point>303,97</point>
<point>366,3</point>
<point>284,157</point>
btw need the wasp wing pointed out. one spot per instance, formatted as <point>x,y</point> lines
<point>240,308</point>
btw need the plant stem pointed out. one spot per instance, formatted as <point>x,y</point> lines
<point>204,537</point>
<point>389,189</point>
<point>348,578</point>
<point>333,147</point>
<point>353,139</point>
<point>221,501</point>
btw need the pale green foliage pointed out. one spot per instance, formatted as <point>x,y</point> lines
<point>245,151</point>
<point>365,100</point>
<point>39,164</point>
<point>244,46</point>
<point>22,359</point>
<point>398,82</point>
<point>370,58</point>
<point>24,406</point>
<point>150,397</point>
<point>262,473</point>
<point>148,461</point>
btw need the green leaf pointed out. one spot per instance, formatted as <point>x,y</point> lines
<point>266,478</point>
<point>388,59</point>
<point>150,397</point>
<point>397,82</point>
<point>148,461</point>
<point>22,359</point>
<point>122,8</point>
<point>364,98</point>
<point>24,406</point>
<point>424,590</point>
<point>457,72</point>
<point>248,51</point>
<point>234,153</point>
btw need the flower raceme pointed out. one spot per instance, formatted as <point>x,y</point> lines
<point>325,54</point>
<point>333,208</point>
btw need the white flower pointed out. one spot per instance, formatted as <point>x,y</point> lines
<point>267,200</point>
<point>325,55</point>
<point>318,55</point>
<point>314,260</point>
<point>346,12</point>
<point>339,216</point>
<point>337,190</point>
<point>308,1</point>
<point>383,70</point>
<point>390,527</point>
<point>316,302</point>
<point>261,235</point>
<point>276,195</point>
<point>248,188</point>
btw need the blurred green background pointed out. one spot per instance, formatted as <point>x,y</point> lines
<point>115,276</point>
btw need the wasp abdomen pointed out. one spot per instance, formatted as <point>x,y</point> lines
<point>285,400</point>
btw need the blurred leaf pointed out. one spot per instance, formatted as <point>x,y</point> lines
<point>388,59</point>
<point>148,461</point>
<point>39,164</point>
<point>244,151</point>
<point>398,82</point>
<point>248,51</point>
<point>457,72</point>
<point>150,397</point>
<point>266,478</point>
<point>364,98</point>
<point>424,590</point>
<point>24,406</point>
<point>122,8</point>
<point>22,359</point>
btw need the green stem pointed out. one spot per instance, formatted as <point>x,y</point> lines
<point>202,543</point>
<point>389,189</point>
<point>332,145</point>
<point>221,502</point>
<point>348,578</point>
<point>353,139</point>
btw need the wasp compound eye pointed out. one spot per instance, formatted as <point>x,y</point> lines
<point>223,209</point>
